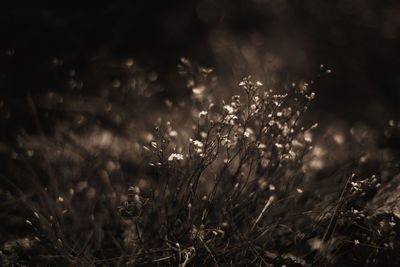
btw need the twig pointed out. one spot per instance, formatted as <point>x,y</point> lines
<point>163,259</point>
<point>334,215</point>
<point>269,202</point>
<point>209,251</point>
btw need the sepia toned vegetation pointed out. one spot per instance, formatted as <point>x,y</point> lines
<point>203,180</point>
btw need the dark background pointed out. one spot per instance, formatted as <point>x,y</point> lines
<point>277,41</point>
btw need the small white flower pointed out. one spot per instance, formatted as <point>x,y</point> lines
<point>356,242</point>
<point>262,146</point>
<point>258,83</point>
<point>229,119</point>
<point>272,187</point>
<point>198,90</point>
<point>229,109</point>
<point>299,191</point>
<point>173,133</point>
<point>308,139</point>
<point>241,83</point>
<point>198,143</point>
<point>176,156</point>
<point>203,113</point>
<point>248,132</point>
<point>226,142</point>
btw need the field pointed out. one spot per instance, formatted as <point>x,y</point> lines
<point>244,180</point>
<point>273,149</point>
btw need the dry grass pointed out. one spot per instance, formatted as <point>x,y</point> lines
<point>237,183</point>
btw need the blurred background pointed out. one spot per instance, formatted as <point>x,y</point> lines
<point>53,48</point>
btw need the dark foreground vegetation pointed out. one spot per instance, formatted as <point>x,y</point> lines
<point>205,180</point>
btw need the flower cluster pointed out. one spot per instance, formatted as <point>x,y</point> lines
<point>175,156</point>
<point>362,187</point>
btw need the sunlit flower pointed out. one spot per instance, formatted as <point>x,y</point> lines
<point>173,133</point>
<point>229,109</point>
<point>278,145</point>
<point>308,139</point>
<point>262,146</point>
<point>203,113</point>
<point>198,90</point>
<point>248,132</point>
<point>226,142</point>
<point>229,119</point>
<point>299,190</point>
<point>271,187</point>
<point>175,156</point>
<point>198,143</point>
